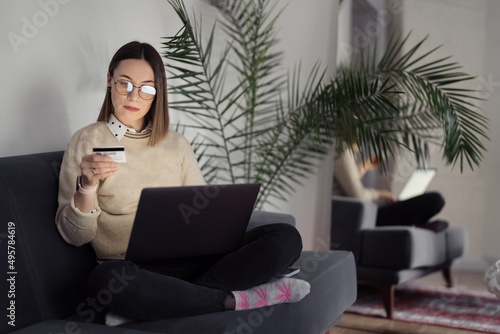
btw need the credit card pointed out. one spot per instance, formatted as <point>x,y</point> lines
<point>115,152</point>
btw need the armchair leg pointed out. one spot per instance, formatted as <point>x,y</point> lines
<point>387,294</point>
<point>448,277</point>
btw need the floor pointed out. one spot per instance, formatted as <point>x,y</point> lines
<point>357,324</point>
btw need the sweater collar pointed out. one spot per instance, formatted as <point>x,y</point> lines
<point>118,129</point>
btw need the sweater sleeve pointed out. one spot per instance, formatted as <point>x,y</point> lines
<point>191,173</point>
<point>76,228</point>
<point>347,180</point>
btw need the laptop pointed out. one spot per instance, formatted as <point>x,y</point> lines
<point>179,222</point>
<point>417,184</point>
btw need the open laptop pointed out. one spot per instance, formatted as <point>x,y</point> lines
<point>417,184</point>
<point>178,222</point>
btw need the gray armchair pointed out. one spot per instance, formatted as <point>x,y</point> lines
<point>390,255</point>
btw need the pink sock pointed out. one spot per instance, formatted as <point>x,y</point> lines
<point>283,290</point>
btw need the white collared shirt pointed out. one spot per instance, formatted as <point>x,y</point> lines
<point>119,129</point>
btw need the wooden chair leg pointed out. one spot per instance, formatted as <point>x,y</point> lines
<point>448,277</point>
<point>387,294</point>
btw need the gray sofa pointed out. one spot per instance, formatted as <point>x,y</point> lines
<point>45,278</point>
<point>390,255</point>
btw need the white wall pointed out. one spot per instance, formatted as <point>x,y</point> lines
<point>490,83</point>
<point>344,32</point>
<point>55,53</point>
<point>468,31</point>
<point>309,34</point>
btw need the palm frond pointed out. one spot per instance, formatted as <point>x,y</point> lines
<point>272,128</point>
<point>199,85</point>
<point>431,86</point>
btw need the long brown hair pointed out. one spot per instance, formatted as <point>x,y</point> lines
<point>158,114</point>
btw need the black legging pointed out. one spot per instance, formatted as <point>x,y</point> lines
<point>414,211</point>
<point>183,287</point>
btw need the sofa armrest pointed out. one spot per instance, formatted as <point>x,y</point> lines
<point>260,218</point>
<point>349,217</point>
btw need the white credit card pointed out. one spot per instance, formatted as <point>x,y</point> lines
<point>115,152</point>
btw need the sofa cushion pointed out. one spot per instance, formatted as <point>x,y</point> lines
<point>402,247</point>
<point>71,327</point>
<point>51,277</point>
<point>329,273</point>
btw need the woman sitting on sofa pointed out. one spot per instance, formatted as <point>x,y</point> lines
<point>101,209</point>
<point>417,211</point>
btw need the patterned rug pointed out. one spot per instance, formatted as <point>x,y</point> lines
<point>455,307</point>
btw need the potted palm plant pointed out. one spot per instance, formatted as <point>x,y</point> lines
<point>267,127</point>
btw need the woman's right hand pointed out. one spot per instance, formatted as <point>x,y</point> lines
<point>95,167</point>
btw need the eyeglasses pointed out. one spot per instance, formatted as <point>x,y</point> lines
<point>125,87</point>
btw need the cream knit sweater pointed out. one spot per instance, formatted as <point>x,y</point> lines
<point>169,163</point>
<point>346,181</point>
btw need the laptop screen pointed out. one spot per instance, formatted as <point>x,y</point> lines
<point>417,184</point>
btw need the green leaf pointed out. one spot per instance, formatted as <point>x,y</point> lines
<point>267,125</point>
